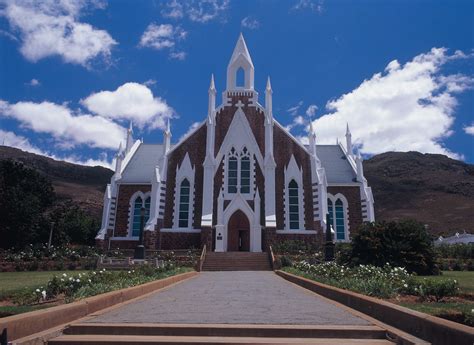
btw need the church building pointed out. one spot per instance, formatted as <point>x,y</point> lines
<point>238,182</point>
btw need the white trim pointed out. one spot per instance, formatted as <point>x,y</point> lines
<point>185,171</point>
<point>129,155</point>
<point>297,232</point>
<point>131,208</point>
<point>347,184</point>
<point>134,238</point>
<point>187,231</point>
<point>345,207</point>
<point>294,172</point>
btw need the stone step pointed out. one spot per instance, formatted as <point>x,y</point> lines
<point>236,261</point>
<point>227,330</point>
<point>136,339</point>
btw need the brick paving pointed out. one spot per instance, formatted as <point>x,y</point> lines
<point>233,298</point>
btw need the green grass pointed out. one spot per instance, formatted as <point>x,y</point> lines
<point>11,282</point>
<point>465,279</point>
<point>455,311</point>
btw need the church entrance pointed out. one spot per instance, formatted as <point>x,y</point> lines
<point>238,233</point>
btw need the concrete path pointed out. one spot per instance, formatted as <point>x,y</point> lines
<point>233,298</point>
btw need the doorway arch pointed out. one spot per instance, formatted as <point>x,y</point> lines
<point>238,232</point>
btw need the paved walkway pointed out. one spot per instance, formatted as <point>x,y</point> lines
<point>233,298</point>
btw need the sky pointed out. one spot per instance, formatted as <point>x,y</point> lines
<point>75,73</point>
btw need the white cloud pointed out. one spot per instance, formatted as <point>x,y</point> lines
<point>8,138</point>
<point>311,111</point>
<point>469,129</point>
<point>201,11</point>
<point>250,23</point>
<point>312,5</point>
<point>131,101</point>
<point>64,125</point>
<point>49,28</point>
<point>17,141</point>
<point>190,130</point>
<point>164,36</point>
<point>178,55</point>
<point>407,107</point>
<point>294,110</point>
<point>33,82</point>
<point>150,82</point>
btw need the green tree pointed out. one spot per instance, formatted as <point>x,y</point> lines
<point>402,244</point>
<point>73,225</point>
<point>25,195</point>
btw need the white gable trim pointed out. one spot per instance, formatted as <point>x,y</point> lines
<point>240,135</point>
<point>129,155</point>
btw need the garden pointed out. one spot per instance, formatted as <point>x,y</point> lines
<point>39,276</point>
<point>396,262</point>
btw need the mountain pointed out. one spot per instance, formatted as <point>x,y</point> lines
<point>82,184</point>
<point>433,189</point>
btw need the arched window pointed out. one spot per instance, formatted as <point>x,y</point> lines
<point>337,217</point>
<point>137,206</point>
<point>240,78</point>
<point>340,228</point>
<point>293,202</point>
<point>184,193</point>
<point>245,172</point>
<point>232,172</point>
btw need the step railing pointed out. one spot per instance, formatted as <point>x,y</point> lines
<point>271,257</point>
<point>202,258</point>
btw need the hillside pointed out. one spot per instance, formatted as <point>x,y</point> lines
<point>432,189</point>
<point>84,185</point>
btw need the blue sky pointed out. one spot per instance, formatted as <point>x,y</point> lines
<point>74,73</point>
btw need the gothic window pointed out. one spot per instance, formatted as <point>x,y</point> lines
<point>137,206</point>
<point>184,194</point>
<point>293,202</point>
<point>337,206</point>
<point>232,172</point>
<point>340,228</point>
<point>245,172</point>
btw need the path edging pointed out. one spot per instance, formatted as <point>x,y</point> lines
<point>424,326</point>
<point>23,325</point>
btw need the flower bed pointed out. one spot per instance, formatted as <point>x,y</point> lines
<point>69,287</point>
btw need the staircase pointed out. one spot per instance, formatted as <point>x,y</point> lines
<point>128,334</point>
<point>236,261</point>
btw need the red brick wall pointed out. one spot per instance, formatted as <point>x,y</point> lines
<point>195,145</point>
<point>283,147</point>
<point>179,240</point>
<point>125,192</point>
<point>352,194</point>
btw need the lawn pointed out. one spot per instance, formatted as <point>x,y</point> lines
<point>11,282</point>
<point>464,278</point>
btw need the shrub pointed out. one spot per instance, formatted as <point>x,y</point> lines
<point>285,261</point>
<point>294,247</point>
<point>433,288</point>
<point>401,244</point>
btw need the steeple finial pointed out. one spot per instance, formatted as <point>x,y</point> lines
<point>240,60</point>
<point>212,86</point>
<point>168,126</point>
<point>269,84</point>
<point>349,148</point>
<point>130,126</point>
<point>348,132</point>
<point>129,142</point>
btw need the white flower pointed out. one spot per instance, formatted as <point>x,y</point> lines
<point>64,275</point>
<point>129,272</point>
<point>90,281</point>
<point>43,293</point>
<point>405,285</point>
<point>455,282</point>
<point>78,281</point>
<point>62,279</point>
<point>38,290</point>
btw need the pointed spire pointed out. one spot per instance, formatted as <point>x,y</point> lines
<point>269,84</point>
<point>167,138</point>
<point>212,87</point>
<point>129,142</point>
<point>349,148</point>
<point>241,49</point>
<point>168,126</point>
<point>130,127</point>
<point>119,151</point>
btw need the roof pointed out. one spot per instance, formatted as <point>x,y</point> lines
<point>334,161</point>
<point>140,169</point>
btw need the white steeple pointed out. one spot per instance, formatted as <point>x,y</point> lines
<point>212,100</point>
<point>349,141</point>
<point>118,159</point>
<point>129,143</point>
<point>268,101</point>
<point>167,138</point>
<point>360,169</point>
<point>240,60</point>
<point>312,138</point>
